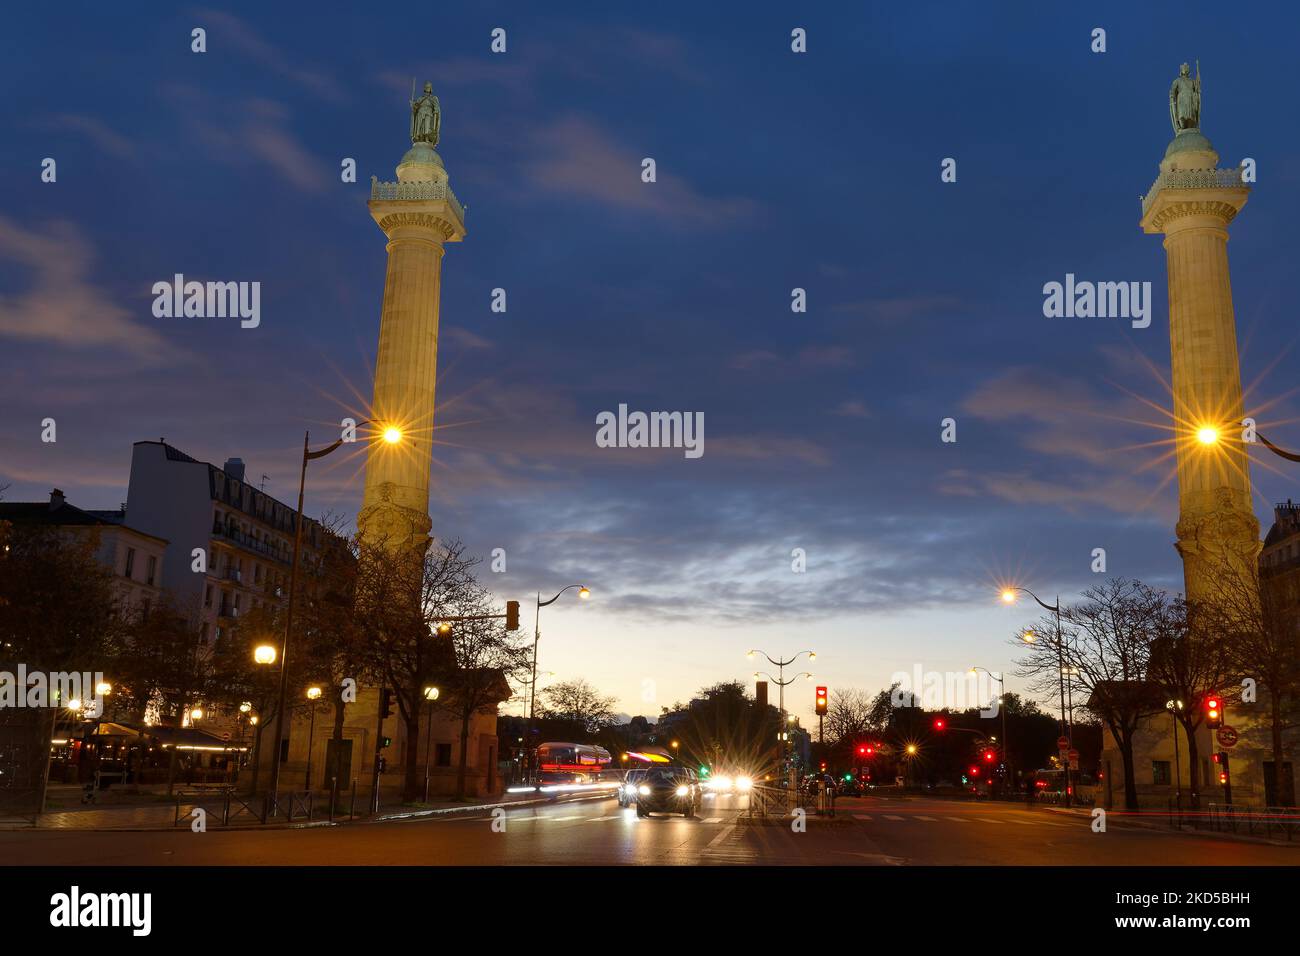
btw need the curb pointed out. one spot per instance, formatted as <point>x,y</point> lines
<point>479,808</point>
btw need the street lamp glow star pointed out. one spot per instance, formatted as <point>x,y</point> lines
<point>1207,435</point>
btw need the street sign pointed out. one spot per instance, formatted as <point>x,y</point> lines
<point>1072,754</point>
<point>226,735</point>
<point>1227,736</point>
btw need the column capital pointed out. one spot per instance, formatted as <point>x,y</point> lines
<point>1193,198</point>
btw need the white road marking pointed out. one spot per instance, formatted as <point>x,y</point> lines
<point>890,816</point>
<point>560,819</point>
<point>726,832</point>
<point>598,819</point>
<point>712,820</point>
<point>861,816</point>
<point>927,819</point>
<point>988,820</point>
<point>957,819</point>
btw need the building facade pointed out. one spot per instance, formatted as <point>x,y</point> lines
<point>245,535</point>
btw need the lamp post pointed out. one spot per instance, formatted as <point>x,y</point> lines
<point>1002,706</point>
<point>583,593</point>
<point>313,695</point>
<point>1173,706</point>
<point>392,435</point>
<point>430,694</point>
<point>1067,726</point>
<point>780,664</point>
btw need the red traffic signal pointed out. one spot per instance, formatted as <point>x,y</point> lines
<point>974,771</point>
<point>1213,713</point>
<point>989,755</point>
<point>940,723</point>
<point>821,701</point>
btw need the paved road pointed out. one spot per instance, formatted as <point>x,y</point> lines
<point>868,831</point>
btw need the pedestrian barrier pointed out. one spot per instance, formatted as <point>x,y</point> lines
<point>1268,822</point>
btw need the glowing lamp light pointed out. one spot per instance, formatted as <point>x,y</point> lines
<point>264,654</point>
<point>1008,596</point>
<point>196,713</point>
<point>392,434</point>
<point>584,593</point>
<point>431,693</point>
<point>313,693</point>
<point>103,689</point>
<point>1208,435</point>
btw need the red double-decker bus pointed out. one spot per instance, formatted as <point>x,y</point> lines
<point>559,762</point>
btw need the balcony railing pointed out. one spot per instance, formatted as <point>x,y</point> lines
<point>380,190</point>
<point>1191,179</point>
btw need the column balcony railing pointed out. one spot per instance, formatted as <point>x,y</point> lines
<point>401,191</point>
<point>1191,179</point>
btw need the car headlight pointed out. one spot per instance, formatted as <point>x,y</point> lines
<point>722,783</point>
<point>643,790</point>
<point>682,791</point>
<point>744,783</point>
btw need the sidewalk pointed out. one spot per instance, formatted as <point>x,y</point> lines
<point>149,811</point>
<point>1159,820</point>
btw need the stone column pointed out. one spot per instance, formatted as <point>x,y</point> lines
<point>418,214</point>
<point>1191,203</point>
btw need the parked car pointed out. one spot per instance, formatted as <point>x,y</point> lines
<point>668,790</point>
<point>627,789</point>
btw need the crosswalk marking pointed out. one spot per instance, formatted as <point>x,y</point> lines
<point>712,820</point>
<point>957,819</point>
<point>861,816</point>
<point>598,819</point>
<point>926,819</point>
<point>562,819</point>
<point>890,816</point>
<point>988,820</point>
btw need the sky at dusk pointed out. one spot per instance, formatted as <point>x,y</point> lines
<point>775,170</point>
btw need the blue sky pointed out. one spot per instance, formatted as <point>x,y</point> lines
<point>775,170</point>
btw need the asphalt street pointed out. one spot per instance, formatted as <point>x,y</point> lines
<point>865,831</point>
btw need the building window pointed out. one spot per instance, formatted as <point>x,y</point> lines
<point>1160,773</point>
<point>130,562</point>
<point>153,570</point>
<point>442,756</point>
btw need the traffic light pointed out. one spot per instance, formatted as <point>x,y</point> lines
<point>989,756</point>
<point>385,743</point>
<point>821,701</point>
<point>385,704</point>
<point>1221,758</point>
<point>862,750</point>
<point>512,615</point>
<point>974,771</point>
<point>823,766</point>
<point>940,723</point>
<point>1213,713</point>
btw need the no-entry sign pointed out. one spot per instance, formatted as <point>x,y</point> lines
<point>1226,736</point>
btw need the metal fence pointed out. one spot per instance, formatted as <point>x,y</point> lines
<point>1268,822</point>
<point>225,806</point>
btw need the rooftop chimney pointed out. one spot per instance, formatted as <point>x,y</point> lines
<point>56,499</point>
<point>234,467</point>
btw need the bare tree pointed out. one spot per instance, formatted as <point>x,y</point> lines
<point>1189,662</point>
<point>1105,647</point>
<point>849,715</point>
<point>578,702</point>
<point>1258,624</point>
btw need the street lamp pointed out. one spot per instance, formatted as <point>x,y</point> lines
<point>1067,728</point>
<point>430,694</point>
<point>265,654</point>
<point>584,593</point>
<point>781,682</point>
<point>1002,706</point>
<point>1174,706</point>
<point>313,695</point>
<point>392,435</point>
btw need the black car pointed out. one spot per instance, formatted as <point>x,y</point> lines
<point>668,790</point>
